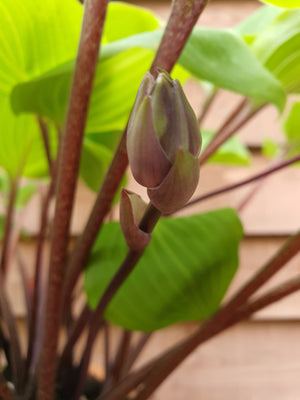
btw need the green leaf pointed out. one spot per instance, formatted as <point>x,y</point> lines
<point>231,152</point>
<point>277,47</point>
<point>95,160</point>
<point>25,194</point>
<point>223,58</point>
<point>284,3</point>
<point>182,276</point>
<point>218,56</point>
<point>270,149</point>
<point>36,37</point>
<point>116,83</point>
<point>137,20</point>
<point>16,139</point>
<point>292,124</point>
<point>257,22</point>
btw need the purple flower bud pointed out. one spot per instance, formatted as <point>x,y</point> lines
<point>163,142</point>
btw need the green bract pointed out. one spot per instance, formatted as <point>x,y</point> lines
<point>163,142</point>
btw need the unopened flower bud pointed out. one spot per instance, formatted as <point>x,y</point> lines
<point>163,142</point>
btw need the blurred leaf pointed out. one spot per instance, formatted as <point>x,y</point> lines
<point>116,83</point>
<point>2,224</point>
<point>37,164</point>
<point>231,152</point>
<point>256,22</point>
<point>17,136</point>
<point>270,149</point>
<point>284,3</point>
<point>291,129</point>
<point>95,160</point>
<point>97,153</point>
<point>181,276</point>
<point>137,20</point>
<point>223,58</point>
<point>277,47</point>
<point>292,124</point>
<point>36,37</point>
<point>25,194</point>
<point>218,56</point>
<point>38,47</point>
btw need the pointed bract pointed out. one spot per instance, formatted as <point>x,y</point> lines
<point>178,186</point>
<point>132,209</point>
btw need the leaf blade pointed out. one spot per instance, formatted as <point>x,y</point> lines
<point>179,278</point>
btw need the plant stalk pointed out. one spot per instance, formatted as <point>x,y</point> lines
<point>147,224</point>
<point>45,137</point>
<point>87,58</point>
<point>180,24</point>
<point>207,105</point>
<point>183,17</point>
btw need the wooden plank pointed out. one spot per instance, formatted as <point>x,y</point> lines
<point>251,361</point>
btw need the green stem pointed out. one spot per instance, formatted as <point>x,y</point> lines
<point>87,58</point>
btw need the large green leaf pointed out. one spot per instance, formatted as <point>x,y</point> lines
<point>223,58</point>
<point>35,37</point>
<point>182,275</point>
<point>38,45</point>
<point>116,82</point>
<point>284,3</point>
<point>16,138</point>
<point>278,49</point>
<point>218,56</point>
<point>137,20</point>
<point>232,152</point>
<point>95,160</point>
<point>250,27</point>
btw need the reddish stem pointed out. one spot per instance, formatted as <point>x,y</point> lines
<point>229,128</point>
<point>87,58</point>
<point>184,15</point>
<point>8,227</point>
<point>180,24</point>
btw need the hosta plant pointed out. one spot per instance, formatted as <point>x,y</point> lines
<point>87,90</point>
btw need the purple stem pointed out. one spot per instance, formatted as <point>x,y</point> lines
<point>87,58</point>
